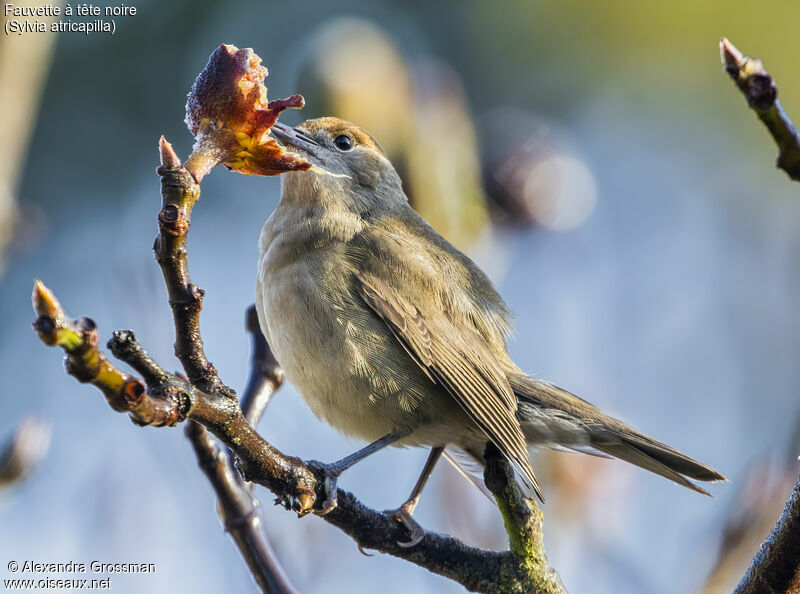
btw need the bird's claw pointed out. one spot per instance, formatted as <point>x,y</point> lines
<point>330,475</point>
<point>331,501</point>
<point>415,531</point>
<point>363,552</point>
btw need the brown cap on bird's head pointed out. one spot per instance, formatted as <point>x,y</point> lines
<point>336,127</point>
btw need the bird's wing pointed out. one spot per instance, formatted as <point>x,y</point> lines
<point>459,360</point>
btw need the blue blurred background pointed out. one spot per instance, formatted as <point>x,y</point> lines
<point>593,157</point>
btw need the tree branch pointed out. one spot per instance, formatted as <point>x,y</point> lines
<point>179,193</point>
<point>238,510</point>
<point>237,506</point>
<point>266,376</point>
<point>761,92</point>
<point>209,402</point>
<point>87,363</point>
<point>165,404</point>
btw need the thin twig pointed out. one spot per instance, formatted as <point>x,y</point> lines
<point>761,92</point>
<point>237,506</point>
<point>179,193</point>
<point>239,512</point>
<point>87,363</point>
<point>266,376</point>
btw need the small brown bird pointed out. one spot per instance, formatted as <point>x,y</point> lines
<point>395,337</point>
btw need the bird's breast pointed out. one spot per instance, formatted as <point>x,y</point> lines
<point>338,354</point>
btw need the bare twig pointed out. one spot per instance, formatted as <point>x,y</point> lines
<point>238,510</point>
<point>237,505</point>
<point>23,451</point>
<point>87,363</point>
<point>761,498</point>
<point>761,92</point>
<point>179,193</point>
<point>266,376</point>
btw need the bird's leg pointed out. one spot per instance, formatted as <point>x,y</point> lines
<point>403,513</point>
<point>332,471</point>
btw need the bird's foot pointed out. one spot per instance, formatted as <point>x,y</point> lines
<point>330,474</point>
<point>415,532</point>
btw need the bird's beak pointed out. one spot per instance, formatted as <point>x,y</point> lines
<point>294,138</point>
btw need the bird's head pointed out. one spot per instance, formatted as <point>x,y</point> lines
<point>348,164</point>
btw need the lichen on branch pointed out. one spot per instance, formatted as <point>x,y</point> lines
<point>523,523</point>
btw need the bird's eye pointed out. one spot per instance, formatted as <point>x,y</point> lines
<point>343,142</point>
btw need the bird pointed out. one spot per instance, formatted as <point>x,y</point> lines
<point>394,337</point>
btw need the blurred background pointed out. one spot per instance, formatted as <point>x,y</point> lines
<point>593,157</point>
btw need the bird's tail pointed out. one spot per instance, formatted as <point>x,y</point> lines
<point>554,418</point>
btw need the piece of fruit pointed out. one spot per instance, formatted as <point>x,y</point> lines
<point>228,112</point>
